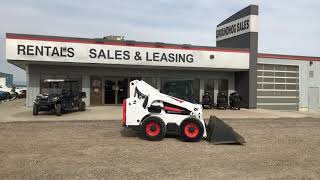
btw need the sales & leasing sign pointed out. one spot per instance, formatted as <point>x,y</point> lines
<point>118,54</point>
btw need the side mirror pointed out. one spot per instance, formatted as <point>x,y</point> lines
<point>83,95</point>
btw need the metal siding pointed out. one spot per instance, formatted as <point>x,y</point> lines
<point>33,86</point>
<point>86,89</point>
<point>316,78</point>
<point>315,81</point>
<point>304,81</point>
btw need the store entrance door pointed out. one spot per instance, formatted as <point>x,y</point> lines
<point>115,90</point>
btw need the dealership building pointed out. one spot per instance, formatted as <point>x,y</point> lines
<point>103,67</point>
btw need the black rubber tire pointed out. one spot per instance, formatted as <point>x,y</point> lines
<point>35,109</point>
<point>58,110</point>
<point>16,95</point>
<point>82,106</point>
<point>153,119</point>
<point>13,96</point>
<point>186,138</point>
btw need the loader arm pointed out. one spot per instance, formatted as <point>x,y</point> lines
<point>155,95</point>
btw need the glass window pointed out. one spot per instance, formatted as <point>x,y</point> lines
<point>268,73</point>
<point>182,89</point>
<point>223,85</point>
<point>280,80</point>
<point>292,80</point>
<point>280,74</point>
<point>280,86</point>
<point>311,74</point>
<point>292,87</point>
<point>209,86</point>
<point>152,81</point>
<point>268,79</point>
<point>292,74</point>
<point>268,86</point>
<point>196,90</point>
<point>292,68</point>
<point>268,67</point>
<point>259,66</point>
<point>280,67</point>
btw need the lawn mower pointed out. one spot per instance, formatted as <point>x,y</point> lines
<point>155,114</point>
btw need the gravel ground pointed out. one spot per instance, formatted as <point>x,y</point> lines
<point>275,149</point>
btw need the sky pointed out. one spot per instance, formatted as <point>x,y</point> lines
<point>285,27</point>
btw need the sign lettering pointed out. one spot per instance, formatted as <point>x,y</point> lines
<point>237,27</point>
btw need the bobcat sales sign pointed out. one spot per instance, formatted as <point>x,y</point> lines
<point>51,50</point>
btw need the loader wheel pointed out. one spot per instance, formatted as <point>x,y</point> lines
<point>191,130</point>
<point>153,128</point>
<point>82,106</point>
<point>35,109</point>
<point>58,110</point>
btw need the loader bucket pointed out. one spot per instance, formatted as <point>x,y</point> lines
<point>218,132</point>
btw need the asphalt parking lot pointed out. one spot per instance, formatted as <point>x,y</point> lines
<point>275,149</point>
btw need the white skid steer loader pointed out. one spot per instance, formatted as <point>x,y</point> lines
<point>155,114</point>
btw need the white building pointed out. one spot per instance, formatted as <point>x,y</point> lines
<point>104,67</point>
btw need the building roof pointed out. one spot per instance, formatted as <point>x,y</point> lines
<point>288,57</point>
<point>121,42</point>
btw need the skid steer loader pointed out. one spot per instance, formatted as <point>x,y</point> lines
<point>155,114</point>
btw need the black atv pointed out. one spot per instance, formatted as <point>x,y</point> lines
<point>222,100</point>
<point>59,99</point>
<point>235,100</point>
<point>207,102</point>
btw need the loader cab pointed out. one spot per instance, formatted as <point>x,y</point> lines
<point>182,89</point>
